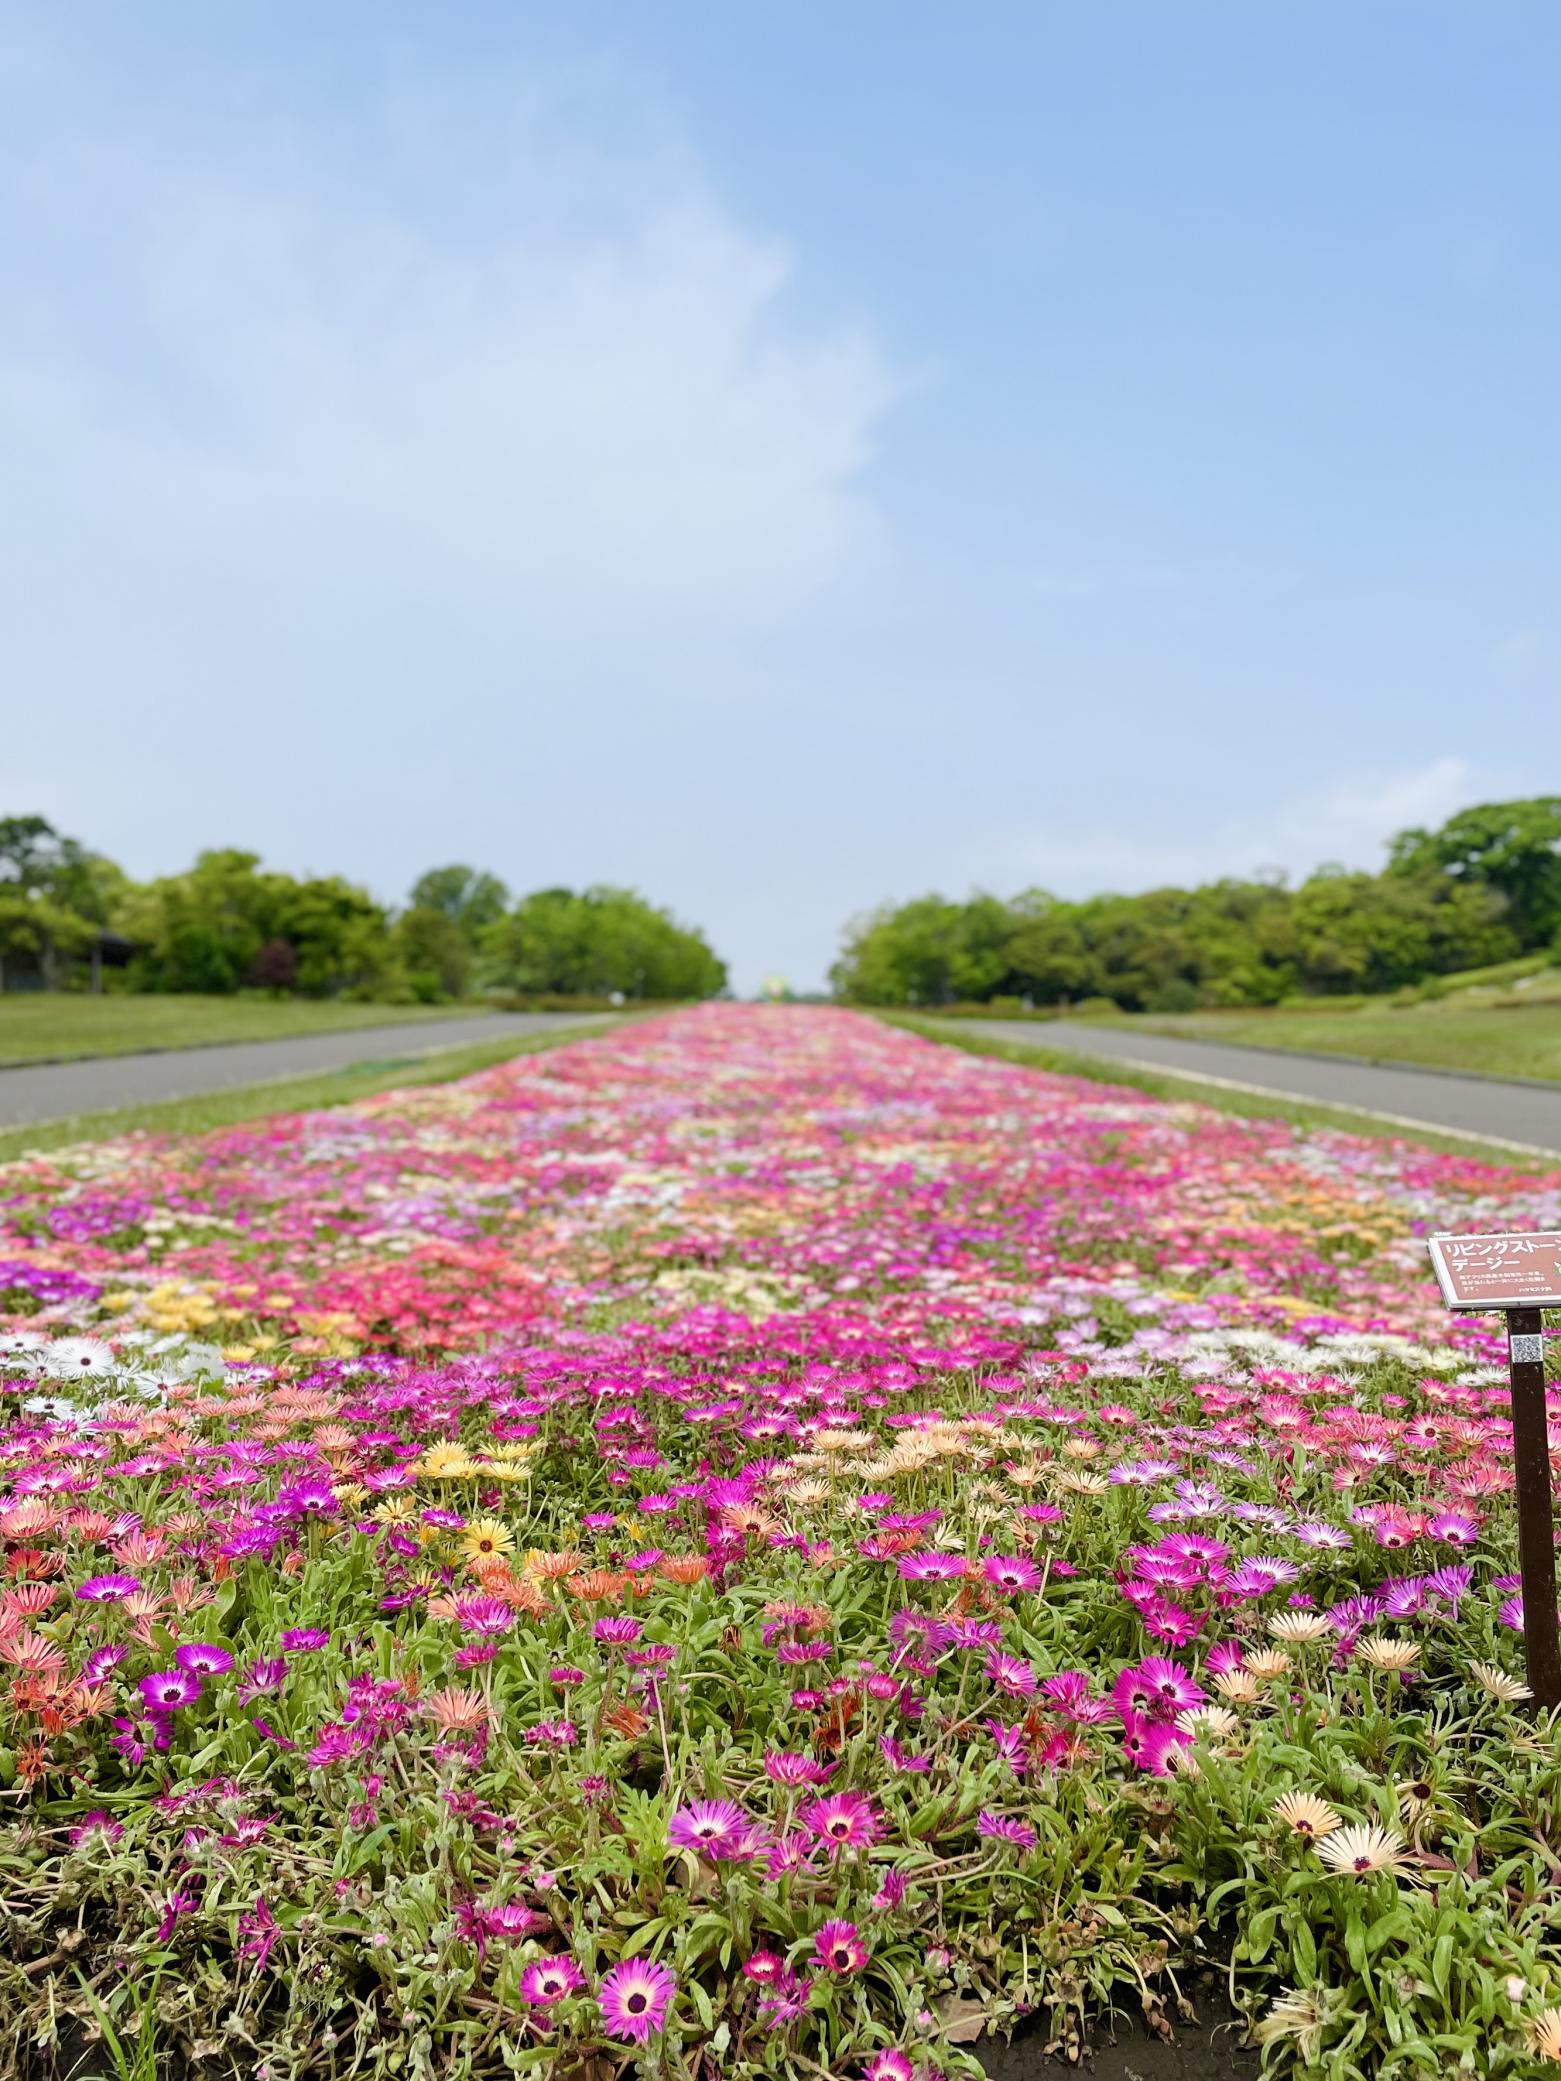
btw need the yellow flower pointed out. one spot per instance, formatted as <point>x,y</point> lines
<point>486,1538</point>
<point>445,1463</point>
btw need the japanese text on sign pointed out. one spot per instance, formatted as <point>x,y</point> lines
<point>1484,1272</point>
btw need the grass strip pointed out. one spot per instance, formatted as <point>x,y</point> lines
<point>279,1095</point>
<point>1190,1089</point>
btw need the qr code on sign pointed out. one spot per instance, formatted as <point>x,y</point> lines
<point>1526,1351</point>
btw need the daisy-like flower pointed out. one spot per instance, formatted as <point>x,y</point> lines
<point>1507,1690</point>
<point>1299,1628</point>
<point>1542,2034</point>
<point>1208,1722</point>
<point>844,1820</point>
<point>1266,1663</point>
<point>892,2065</point>
<point>1307,1815</point>
<point>107,1589</point>
<point>454,1711</point>
<point>486,1539</point>
<point>549,1980</point>
<point>617,1632</point>
<point>1011,1573</point>
<point>785,1768</point>
<point>1237,1687</point>
<point>839,1948</point>
<point>200,1658</point>
<point>1010,1673</point>
<point>1358,1852</point>
<point>1388,1654</point>
<point>304,1640</point>
<point>166,1690</point>
<point>635,1997</point>
<point>715,1828</point>
<point>1000,1828</point>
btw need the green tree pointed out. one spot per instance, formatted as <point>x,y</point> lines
<point>465,895</point>
<point>1511,847</point>
<point>598,941</point>
<point>434,954</point>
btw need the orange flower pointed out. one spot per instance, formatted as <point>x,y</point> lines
<point>599,1585</point>
<point>683,1568</point>
<point>454,1711</point>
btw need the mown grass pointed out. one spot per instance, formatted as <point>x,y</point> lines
<point>1100,1069</point>
<point>1490,1040</point>
<point>282,1095</point>
<point>59,1026</point>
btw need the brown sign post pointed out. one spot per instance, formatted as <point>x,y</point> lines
<point>1520,1275</point>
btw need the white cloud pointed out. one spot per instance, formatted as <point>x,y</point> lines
<point>1348,822</point>
<point>457,362</point>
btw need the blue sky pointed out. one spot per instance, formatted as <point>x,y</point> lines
<point>781,458</point>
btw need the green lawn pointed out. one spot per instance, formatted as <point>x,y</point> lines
<point>283,1095</point>
<point>53,1026</point>
<point>1498,1040</point>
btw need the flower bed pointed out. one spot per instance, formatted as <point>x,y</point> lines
<point>756,1544</point>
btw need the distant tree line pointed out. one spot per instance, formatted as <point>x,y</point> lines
<point>228,924</point>
<point>1483,889</point>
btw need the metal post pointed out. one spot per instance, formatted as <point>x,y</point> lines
<point>1536,1530</point>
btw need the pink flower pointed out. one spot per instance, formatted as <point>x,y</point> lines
<point>844,1820</point>
<point>1011,1572</point>
<point>839,1948</point>
<point>1000,1828</point>
<point>635,1997</point>
<point>1011,1674</point>
<point>550,1980</point>
<point>716,1828</point>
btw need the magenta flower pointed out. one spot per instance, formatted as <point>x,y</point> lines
<point>200,1658</point>
<point>303,1640</point>
<point>892,2065</point>
<point>107,1589</point>
<point>1011,1674</point>
<point>96,1826</point>
<point>550,1980</point>
<point>715,1828</point>
<point>788,1769</point>
<point>617,1632</point>
<point>839,1948</point>
<point>263,1675</point>
<point>166,1690</point>
<point>635,1997</point>
<point>307,1498</point>
<point>844,1820</point>
<point>1011,1572</point>
<point>100,1662</point>
<point>1000,1828</point>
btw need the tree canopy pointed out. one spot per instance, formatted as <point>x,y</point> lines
<point>1482,889</point>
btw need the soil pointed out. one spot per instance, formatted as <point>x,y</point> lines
<point>1208,2050</point>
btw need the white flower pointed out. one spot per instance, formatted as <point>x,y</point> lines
<point>78,1358</point>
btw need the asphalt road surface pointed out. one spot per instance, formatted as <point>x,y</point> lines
<point>1522,1116</point>
<point>63,1090</point>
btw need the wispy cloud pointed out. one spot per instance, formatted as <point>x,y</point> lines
<point>1347,823</point>
<point>466,355</point>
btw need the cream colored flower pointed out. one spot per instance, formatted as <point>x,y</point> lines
<point>1299,1628</point>
<point>1387,1654</point>
<point>1306,1814</point>
<point>1237,1686</point>
<point>1507,1690</point>
<point>1265,1663</point>
<point>1543,2034</point>
<point>1361,1851</point>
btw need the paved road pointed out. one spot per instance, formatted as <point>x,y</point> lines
<point>1523,1116</point>
<point>62,1090</point>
